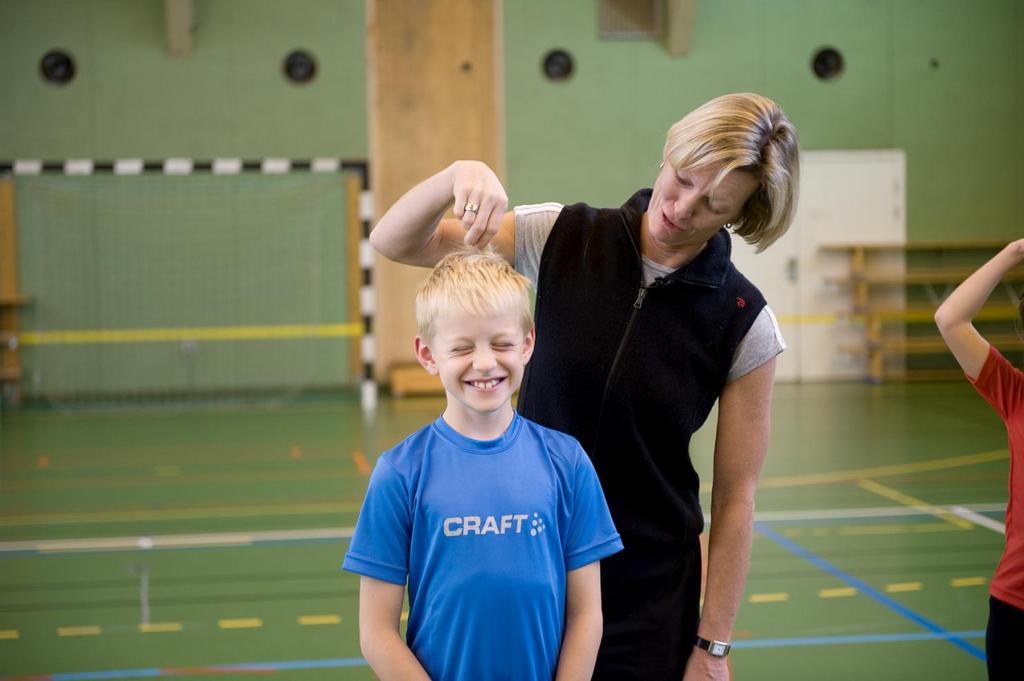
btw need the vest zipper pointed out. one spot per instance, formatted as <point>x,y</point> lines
<point>637,304</point>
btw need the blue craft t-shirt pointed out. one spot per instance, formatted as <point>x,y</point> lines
<point>486,532</point>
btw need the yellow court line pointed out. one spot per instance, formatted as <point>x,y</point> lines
<point>833,318</point>
<point>958,582</point>
<point>870,530</point>
<point>807,318</point>
<point>91,630</point>
<point>241,623</point>
<point>841,592</point>
<point>307,473</point>
<point>903,587</point>
<point>896,528</point>
<point>335,508</point>
<point>913,502</point>
<point>777,597</point>
<point>314,620</point>
<point>877,471</point>
<point>159,627</point>
<point>189,333</point>
<point>9,634</point>
<point>177,514</point>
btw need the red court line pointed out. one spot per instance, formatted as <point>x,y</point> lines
<point>362,465</point>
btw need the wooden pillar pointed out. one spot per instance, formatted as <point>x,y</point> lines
<point>876,352</point>
<point>680,16</point>
<point>179,14</point>
<point>858,273</point>
<point>435,96</point>
<point>353,238</point>
<point>10,300</point>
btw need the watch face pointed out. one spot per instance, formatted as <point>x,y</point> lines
<point>717,649</point>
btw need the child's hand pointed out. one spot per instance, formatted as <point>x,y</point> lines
<point>480,201</point>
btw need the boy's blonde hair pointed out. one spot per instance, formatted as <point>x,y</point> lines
<point>478,283</point>
<point>745,132</point>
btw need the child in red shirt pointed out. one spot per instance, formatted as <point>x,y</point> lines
<point>1002,386</point>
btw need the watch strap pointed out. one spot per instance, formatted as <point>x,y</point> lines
<point>714,648</point>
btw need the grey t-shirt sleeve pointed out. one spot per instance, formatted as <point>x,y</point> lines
<point>533,226</point>
<point>763,341</point>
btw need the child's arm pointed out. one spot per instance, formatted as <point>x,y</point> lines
<point>380,610</point>
<point>583,624</point>
<point>954,317</point>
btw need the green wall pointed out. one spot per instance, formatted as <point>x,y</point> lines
<point>116,253</point>
<point>598,136</point>
<point>941,79</point>
<point>228,99</point>
<point>595,138</point>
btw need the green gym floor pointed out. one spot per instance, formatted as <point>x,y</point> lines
<point>206,542</point>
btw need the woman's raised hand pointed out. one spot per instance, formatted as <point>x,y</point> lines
<point>480,201</point>
<point>1016,249</point>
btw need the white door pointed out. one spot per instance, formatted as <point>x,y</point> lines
<point>845,197</point>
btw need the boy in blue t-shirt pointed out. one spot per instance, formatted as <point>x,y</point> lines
<point>498,523</point>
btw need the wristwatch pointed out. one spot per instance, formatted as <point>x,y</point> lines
<point>714,648</point>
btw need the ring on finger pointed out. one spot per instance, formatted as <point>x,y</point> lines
<point>472,207</point>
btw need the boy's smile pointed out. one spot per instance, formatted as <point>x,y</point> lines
<point>480,361</point>
<point>486,385</point>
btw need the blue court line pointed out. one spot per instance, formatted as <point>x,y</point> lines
<point>862,638</point>
<point>113,674</point>
<point>150,672</point>
<point>869,591</point>
<point>287,665</point>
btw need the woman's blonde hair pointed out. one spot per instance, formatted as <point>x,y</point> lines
<point>473,282</point>
<point>750,133</point>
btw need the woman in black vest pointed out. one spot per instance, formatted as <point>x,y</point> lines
<point>642,324</point>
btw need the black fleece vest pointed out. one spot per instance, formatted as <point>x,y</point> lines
<point>633,372</point>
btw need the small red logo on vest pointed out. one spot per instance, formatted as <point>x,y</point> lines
<point>740,302</point>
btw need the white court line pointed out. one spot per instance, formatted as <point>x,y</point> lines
<point>978,519</point>
<point>174,541</point>
<point>862,512</point>
<point>971,512</point>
